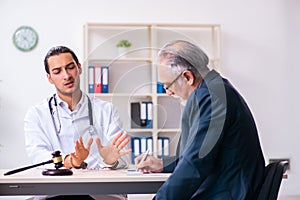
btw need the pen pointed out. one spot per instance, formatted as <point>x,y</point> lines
<point>145,155</point>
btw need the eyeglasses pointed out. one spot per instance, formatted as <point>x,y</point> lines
<point>168,85</point>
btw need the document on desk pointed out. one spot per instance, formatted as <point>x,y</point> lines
<point>138,173</point>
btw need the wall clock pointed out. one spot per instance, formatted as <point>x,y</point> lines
<point>25,38</point>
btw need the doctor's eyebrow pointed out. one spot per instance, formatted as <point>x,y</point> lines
<point>67,65</point>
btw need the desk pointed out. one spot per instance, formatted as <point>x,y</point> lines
<point>32,182</point>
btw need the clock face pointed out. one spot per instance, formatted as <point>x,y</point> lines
<point>25,38</point>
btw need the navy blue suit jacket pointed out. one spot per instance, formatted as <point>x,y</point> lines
<point>220,156</point>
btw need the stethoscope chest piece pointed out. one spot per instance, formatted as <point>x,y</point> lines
<point>91,130</point>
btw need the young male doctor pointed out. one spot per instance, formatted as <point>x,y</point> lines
<point>69,121</point>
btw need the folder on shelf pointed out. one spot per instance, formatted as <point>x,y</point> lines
<point>136,147</point>
<point>149,114</point>
<point>163,148</point>
<point>150,145</point>
<point>160,88</point>
<point>135,110</point>
<point>97,81</point>
<point>143,114</point>
<point>105,79</point>
<point>91,79</point>
<point>166,146</point>
<point>159,147</point>
<point>143,144</point>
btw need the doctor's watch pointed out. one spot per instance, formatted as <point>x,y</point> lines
<point>83,165</point>
<point>112,166</point>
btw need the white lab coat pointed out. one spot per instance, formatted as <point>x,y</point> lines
<point>42,139</point>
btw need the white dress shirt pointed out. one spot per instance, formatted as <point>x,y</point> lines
<point>42,138</point>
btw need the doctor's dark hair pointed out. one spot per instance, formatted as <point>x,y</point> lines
<point>56,51</point>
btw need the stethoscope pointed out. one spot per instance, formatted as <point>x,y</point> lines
<point>58,129</point>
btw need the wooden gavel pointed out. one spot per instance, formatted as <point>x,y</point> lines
<point>56,159</point>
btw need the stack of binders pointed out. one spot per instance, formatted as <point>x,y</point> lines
<point>140,144</point>
<point>163,146</point>
<point>141,114</point>
<point>98,79</point>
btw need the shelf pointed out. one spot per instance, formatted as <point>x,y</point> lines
<point>133,76</point>
<point>139,130</point>
<point>109,61</point>
<point>142,130</point>
<point>167,130</point>
<point>120,94</point>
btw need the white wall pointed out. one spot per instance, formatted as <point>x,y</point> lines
<point>260,55</point>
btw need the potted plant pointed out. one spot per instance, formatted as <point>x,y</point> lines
<point>123,46</point>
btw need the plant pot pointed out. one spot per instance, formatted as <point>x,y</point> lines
<point>123,51</point>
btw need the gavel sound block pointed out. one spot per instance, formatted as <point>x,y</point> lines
<point>56,159</point>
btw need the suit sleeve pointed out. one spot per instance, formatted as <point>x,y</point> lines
<point>169,163</point>
<point>198,157</point>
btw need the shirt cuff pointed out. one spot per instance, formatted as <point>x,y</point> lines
<point>112,166</point>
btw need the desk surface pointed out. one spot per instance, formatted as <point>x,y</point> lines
<point>32,182</point>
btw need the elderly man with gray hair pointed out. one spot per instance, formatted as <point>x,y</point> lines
<point>219,154</point>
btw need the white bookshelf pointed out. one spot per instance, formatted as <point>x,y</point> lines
<point>133,76</point>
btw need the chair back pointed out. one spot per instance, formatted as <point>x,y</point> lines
<point>272,180</point>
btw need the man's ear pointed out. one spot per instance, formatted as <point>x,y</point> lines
<point>189,77</point>
<point>49,78</point>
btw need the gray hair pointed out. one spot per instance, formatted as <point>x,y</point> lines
<point>185,56</point>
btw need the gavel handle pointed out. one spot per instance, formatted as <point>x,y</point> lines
<point>28,167</point>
